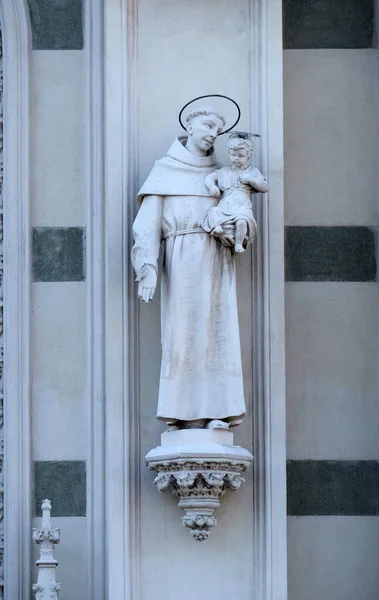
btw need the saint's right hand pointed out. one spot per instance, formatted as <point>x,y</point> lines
<point>147,282</point>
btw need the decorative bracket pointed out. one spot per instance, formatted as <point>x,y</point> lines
<point>198,466</point>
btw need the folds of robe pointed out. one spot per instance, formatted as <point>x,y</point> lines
<point>201,371</point>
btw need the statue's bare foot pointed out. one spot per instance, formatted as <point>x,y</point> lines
<point>172,428</point>
<point>174,425</point>
<point>217,424</point>
<point>198,424</point>
<point>239,249</point>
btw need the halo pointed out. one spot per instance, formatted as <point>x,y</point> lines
<point>212,96</point>
<point>245,134</point>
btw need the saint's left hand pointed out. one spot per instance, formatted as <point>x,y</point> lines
<point>215,191</point>
<point>227,238</point>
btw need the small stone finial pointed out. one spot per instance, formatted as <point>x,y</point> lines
<point>46,510</point>
<point>46,588</point>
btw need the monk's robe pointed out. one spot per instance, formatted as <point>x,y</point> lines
<point>201,371</point>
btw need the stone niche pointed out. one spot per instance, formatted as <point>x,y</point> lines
<point>187,49</point>
<point>177,51</point>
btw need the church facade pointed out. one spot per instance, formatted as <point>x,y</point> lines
<point>90,96</point>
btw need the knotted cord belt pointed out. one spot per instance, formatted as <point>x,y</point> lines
<point>183,232</point>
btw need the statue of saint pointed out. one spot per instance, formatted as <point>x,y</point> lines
<point>201,373</point>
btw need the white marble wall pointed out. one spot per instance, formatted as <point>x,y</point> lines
<point>58,324</point>
<point>333,558</point>
<point>332,371</point>
<point>331,137</point>
<point>331,124</point>
<point>57,138</point>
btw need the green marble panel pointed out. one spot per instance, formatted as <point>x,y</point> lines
<point>62,482</point>
<point>328,23</point>
<point>332,487</point>
<point>58,254</point>
<point>56,24</point>
<point>331,253</point>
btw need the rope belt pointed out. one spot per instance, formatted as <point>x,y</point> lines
<point>183,232</point>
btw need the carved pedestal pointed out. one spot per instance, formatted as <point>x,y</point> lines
<point>198,465</point>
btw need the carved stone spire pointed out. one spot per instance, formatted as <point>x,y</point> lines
<point>46,587</point>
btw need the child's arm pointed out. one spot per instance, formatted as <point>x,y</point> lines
<point>255,178</point>
<point>211,182</point>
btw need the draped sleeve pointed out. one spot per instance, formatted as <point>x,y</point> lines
<point>258,181</point>
<point>147,232</point>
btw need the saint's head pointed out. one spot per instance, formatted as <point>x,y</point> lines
<point>204,124</point>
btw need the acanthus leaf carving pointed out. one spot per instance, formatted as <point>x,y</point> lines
<point>199,481</point>
<point>163,481</point>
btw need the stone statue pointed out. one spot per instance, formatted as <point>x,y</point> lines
<point>201,373</point>
<point>237,183</point>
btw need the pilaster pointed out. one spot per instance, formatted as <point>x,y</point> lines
<point>16,282</point>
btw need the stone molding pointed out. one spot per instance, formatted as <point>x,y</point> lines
<point>1,328</point>
<point>121,353</point>
<point>269,419</point>
<point>93,13</point>
<point>15,26</point>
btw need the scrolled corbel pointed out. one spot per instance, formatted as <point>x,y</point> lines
<point>198,467</point>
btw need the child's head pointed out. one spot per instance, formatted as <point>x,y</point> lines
<point>240,150</point>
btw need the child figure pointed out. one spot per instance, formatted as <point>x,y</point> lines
<point>236,182</point>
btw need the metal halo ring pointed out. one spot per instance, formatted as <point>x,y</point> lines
<point>212,96</point>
